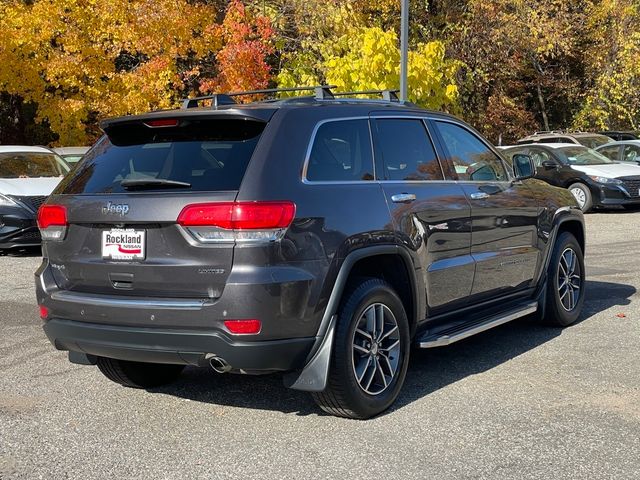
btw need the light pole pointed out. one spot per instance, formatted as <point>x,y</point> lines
<point>404,49</point>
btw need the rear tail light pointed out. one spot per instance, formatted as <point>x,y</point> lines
<point>52,222</point>
<point>237,221</point>
<point>243,327</point>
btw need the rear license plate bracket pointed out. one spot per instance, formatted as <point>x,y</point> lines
<point>123,244</point>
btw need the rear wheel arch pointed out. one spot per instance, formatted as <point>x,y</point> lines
<point>397,270</point>
<point>314,375</point>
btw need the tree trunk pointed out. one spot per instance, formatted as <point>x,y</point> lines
<point>543,109</point>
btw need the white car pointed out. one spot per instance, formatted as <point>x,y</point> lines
<point>626,151</point>
<point>28,175</point>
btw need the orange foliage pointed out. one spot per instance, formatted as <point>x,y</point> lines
<point>242,61</point>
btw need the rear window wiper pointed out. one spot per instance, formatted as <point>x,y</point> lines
<point>153,183</point>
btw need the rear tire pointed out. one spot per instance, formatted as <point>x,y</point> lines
<point>370,352</point>
<point>138,374</point>
<point>565,282</point>
<point>582,194</point>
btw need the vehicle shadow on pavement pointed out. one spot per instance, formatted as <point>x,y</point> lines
<point>21,252</point>
<point>432,369</point>
<point>429,370</point>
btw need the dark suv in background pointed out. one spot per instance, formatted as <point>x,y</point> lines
<point>316,236</point>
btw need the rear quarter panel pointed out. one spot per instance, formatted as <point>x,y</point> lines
<point>331,221</point>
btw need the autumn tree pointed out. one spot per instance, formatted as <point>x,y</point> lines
<point>347,52</point>
<point>612,97</point>
<point>521,60</point>
<point>507,67</point>
<point>79,60</point>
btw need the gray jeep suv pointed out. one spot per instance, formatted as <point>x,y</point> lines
<point>317,236</point>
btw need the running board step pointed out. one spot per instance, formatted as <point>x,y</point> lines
<point>460,332</point>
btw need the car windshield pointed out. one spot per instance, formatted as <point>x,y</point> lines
<point>594,141</point>
<point>31,164</point>
<point>582,156</point>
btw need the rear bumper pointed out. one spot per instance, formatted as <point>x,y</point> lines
<point>180,330</point>
<point>183,347</point>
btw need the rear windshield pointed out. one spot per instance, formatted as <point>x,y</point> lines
<point>31,164</point>
<point>198,155</point>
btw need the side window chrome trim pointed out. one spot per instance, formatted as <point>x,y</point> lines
<point>307,156</point>
<point>417,116</point>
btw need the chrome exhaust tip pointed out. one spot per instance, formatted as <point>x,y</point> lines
<point>219,365</point>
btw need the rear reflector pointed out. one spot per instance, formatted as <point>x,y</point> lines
<point>239,215</point>
<point>52,222</point>
<point>44,312</point>
<point>162,122</point>
<point>243,327</point>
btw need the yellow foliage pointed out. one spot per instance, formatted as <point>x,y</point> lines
<point>614,97</point>
<point>79,59</point>
<point>369,59</point>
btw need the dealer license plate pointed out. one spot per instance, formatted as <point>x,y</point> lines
<point>123,244</point>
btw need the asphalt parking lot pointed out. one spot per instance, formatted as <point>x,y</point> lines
<point>521,401</point>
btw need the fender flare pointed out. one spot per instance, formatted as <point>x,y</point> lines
<point>314,375</point>
<point>562,215</point>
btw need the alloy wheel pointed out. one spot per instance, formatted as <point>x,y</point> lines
<point>376,349</point>
<point>569,279</point>
<point>580,196</point>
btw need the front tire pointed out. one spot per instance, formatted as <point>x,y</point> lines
<point>370,353</point>
<point>565,282</point>
<point>582,194</point>
<point>138,374</point>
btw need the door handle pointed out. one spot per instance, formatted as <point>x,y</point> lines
<point>403,198</point>
<point>479,195</point>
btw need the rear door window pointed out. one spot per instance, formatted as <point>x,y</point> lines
<point>406,150</point>
<point>198,155</point>
<point>341,152</point>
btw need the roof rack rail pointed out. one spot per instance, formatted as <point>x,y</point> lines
<point>322,92</point>
<point>543,132</point>
<point>388,95</point>
<point>217,99</point>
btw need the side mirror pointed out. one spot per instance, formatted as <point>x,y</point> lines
<point>549,165</point>
<point>523,167</point>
